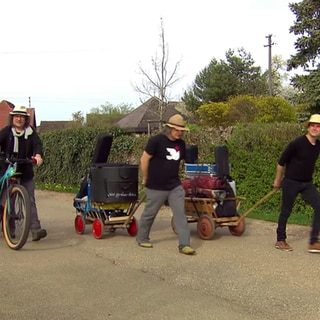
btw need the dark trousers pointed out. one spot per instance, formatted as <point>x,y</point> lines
<point>35,222</point>
<point>290,191</point>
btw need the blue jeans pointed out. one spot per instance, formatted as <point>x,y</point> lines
<point>290,191</point>
<point>155,199</point>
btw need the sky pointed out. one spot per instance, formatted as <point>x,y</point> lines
<point>65,56</point>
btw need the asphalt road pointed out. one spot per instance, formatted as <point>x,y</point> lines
<point>71,276</point>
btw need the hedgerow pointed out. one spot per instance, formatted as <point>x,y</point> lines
<point>254,150</point>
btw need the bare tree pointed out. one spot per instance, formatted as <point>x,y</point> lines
<point>158,81</point>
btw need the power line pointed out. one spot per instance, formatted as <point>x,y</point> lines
<point>52,51</point>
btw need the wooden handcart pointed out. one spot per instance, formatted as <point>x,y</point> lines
<point>203,212</point>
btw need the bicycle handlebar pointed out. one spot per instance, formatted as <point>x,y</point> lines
<point>13,160</point>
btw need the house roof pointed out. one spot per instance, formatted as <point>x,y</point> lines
<point>147,115</point>
<point>46,126</point>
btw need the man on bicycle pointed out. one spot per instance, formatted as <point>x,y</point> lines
<point>19,139</point>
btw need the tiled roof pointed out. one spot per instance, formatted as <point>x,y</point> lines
<point>46,126</point>
<point>148,114</point>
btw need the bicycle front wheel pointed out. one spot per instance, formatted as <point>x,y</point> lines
<point>16,217</point>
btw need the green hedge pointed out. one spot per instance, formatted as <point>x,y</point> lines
<point>253,153</point>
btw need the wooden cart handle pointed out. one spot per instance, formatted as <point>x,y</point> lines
<point>264,198</point>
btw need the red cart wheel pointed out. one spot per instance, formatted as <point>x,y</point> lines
<point>205,227</point>
<point>238,230</point>
<point>97,228</point>
<point>79,224</point>
<point>173,226</point>
<point>133,227</point>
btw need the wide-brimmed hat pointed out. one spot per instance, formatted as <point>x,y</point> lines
<point>176,122</point>
<point>20,110</point>
<point>315,118</point>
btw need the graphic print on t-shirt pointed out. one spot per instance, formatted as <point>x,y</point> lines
<point>174,153</point>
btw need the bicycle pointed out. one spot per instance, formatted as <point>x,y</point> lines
<point>14,204</point>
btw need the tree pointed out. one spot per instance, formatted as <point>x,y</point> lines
<point>246,109</point>
<point>243,109</point>
<point>78,118</point>
<point>225,78</point>
<point>280,81</point>
<point>214,114</point>
<point>107,115</point>
<point>307,29</point>
<point>158,82</point>
<point>249,77</point>
<point>110,109</point>
<point>102,117</point>
<point>274,109</point>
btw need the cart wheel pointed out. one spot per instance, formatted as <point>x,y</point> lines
<point>79,224</point>
<point>238,230</point>
<point>97,228</point>
<point>205,227</point>
<point>133,227</point>
<point>173,226</point>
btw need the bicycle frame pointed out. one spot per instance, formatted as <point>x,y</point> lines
<point>5,180</point>
<point>11,171</point>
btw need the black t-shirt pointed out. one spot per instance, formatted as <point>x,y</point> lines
<point>163,172</point>
<point>299,158</point>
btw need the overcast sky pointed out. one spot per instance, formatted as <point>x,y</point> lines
<point>75,55</point>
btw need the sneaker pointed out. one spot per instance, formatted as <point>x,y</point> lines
<point>187,250</point>
<point>314,248</point>
<point>145,245</point>
<point>283,245</point>
<point>38,234</point>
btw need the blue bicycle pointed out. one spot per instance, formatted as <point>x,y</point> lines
<point>14,205</point>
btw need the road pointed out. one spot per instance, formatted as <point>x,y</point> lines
<point>71,276</point>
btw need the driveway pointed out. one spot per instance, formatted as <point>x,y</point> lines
<point>71,276</point>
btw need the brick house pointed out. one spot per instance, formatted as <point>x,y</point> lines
<point>6,107</point>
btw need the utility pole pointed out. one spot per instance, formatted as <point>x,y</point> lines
<point>269,45</point>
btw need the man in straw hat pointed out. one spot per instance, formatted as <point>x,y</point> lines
<point>298,160</point>
<point>20,139</point>
<point>160,163</point>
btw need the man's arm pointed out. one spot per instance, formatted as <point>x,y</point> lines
<point>278,178</point>
<point>144,166</point>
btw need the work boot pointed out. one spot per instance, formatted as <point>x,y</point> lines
<point>38,234</point>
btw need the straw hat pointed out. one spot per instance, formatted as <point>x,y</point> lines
<point>315,118</point>
<point>176,122</point>
<point>20,110</point>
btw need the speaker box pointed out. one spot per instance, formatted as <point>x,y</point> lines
<point>103,147</point>
<point>191,154</point>
<point>221,155</point>
<point>114,182</point>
